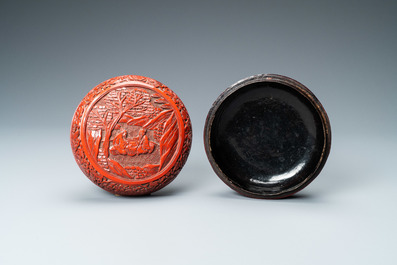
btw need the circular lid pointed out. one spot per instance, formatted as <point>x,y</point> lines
<point>131,135</point>
<point>267,136</point>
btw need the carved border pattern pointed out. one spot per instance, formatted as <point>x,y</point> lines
<point>106,183</point>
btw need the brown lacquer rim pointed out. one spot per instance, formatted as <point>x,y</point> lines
<point>300,88</point>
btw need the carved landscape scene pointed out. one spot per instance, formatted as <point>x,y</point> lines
<point>132,132</point>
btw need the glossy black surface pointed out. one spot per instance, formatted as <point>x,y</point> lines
<point>266,137</point>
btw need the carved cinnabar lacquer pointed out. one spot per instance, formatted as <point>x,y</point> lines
<point>131,135</point>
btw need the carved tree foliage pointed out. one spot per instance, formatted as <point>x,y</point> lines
<point>167,123</point>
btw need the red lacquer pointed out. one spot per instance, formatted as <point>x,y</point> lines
<point>131,135</point>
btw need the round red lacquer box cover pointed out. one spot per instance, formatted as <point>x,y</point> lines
<point>131,135</point>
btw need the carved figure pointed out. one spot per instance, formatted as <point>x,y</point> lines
<point>132,147</point>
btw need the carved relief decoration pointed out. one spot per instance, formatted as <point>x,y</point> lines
<point>131,135</point>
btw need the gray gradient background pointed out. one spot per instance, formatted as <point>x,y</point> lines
<point>52,53</point>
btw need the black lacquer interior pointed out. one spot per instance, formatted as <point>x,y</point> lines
<point>266,137</point>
